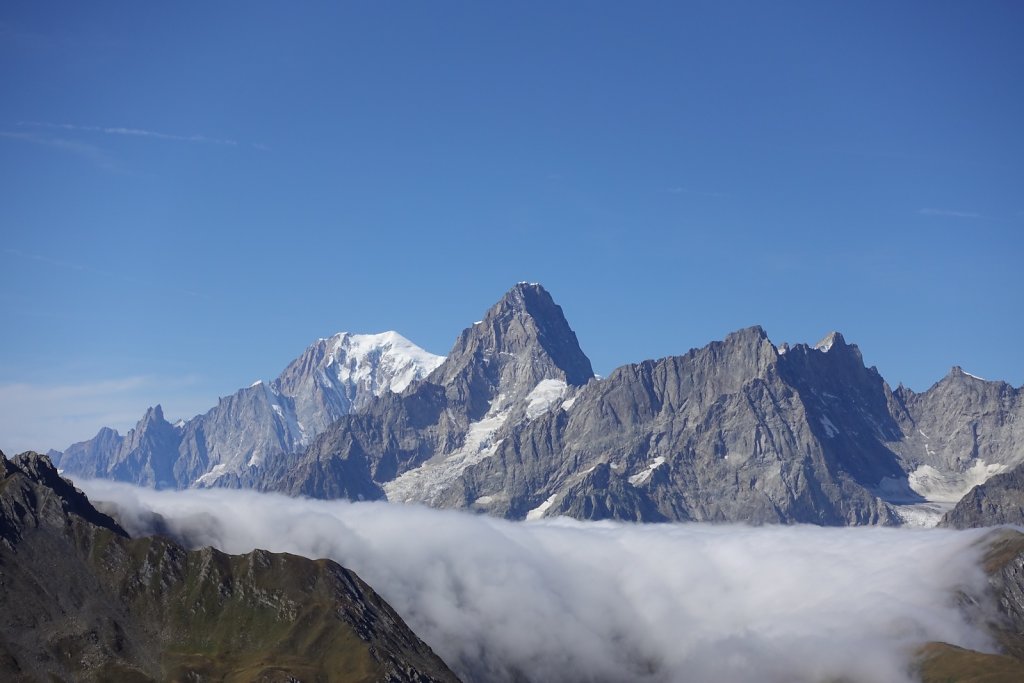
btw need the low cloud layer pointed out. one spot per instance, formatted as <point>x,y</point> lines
<point>570,601</point>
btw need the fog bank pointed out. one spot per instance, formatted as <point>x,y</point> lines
<point>561,600</point>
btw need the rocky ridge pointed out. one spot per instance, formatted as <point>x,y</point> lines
<point>998,501</point>
<point>83,601</point>
<point>514,423</point>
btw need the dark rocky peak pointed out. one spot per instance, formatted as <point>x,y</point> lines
<point>155,413</point>
<point>50,486</point>
<point>831,339</point>
<point>154,417</point>
<point>522,340</point>
<point>152,430</point>
<point>147,453</point>
<point>832,351</point>
<point>526,323</point>
<point>833,354</point>
<point>840,391</point>
<point>835,344</point>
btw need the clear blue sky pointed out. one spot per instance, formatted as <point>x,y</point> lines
<point>190,193</point>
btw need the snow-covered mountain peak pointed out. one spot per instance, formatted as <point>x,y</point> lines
<point>386,356</point>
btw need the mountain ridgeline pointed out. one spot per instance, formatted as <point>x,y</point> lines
<point>331,378</point>
<point>514,423</point>
<point>83,601</point>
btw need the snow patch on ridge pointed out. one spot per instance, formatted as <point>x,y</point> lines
<point>213,475</point>
<point>427,482</point>
<point>543,396</point>
<point>641,478</point>
<point>538,512</point>
<point>950,487</point>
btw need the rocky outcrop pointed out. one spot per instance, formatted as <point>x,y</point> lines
<point>1000,500</point>
<point>82,601</point>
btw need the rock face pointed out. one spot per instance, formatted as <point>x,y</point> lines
<point>331,378</point>
<point>82,601</point>
<point>1000,500</point>
<point>958,433</point>
<point>735,431</point>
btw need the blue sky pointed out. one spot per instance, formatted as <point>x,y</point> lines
<point>190,193</point>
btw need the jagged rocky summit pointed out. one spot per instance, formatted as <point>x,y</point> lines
<point>513,423</point>
<point>83,601</point>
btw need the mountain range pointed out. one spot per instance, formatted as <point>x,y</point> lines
<point>514,423</point>
<point>331,378</point>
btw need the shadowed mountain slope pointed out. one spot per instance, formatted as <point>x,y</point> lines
<point>83,601</point>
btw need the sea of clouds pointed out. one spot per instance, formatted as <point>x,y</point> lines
<point>561,600</point>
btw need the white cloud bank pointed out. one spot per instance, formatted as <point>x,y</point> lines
<point>568,601</point>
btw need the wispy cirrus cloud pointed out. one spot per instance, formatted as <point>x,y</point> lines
<point>947,213</point>
<point>140,133</point>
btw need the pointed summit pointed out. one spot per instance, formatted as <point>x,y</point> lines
<point>957,372</point>
<point>522,340</point>
<point>836,345</point>
<point>831,339</point>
